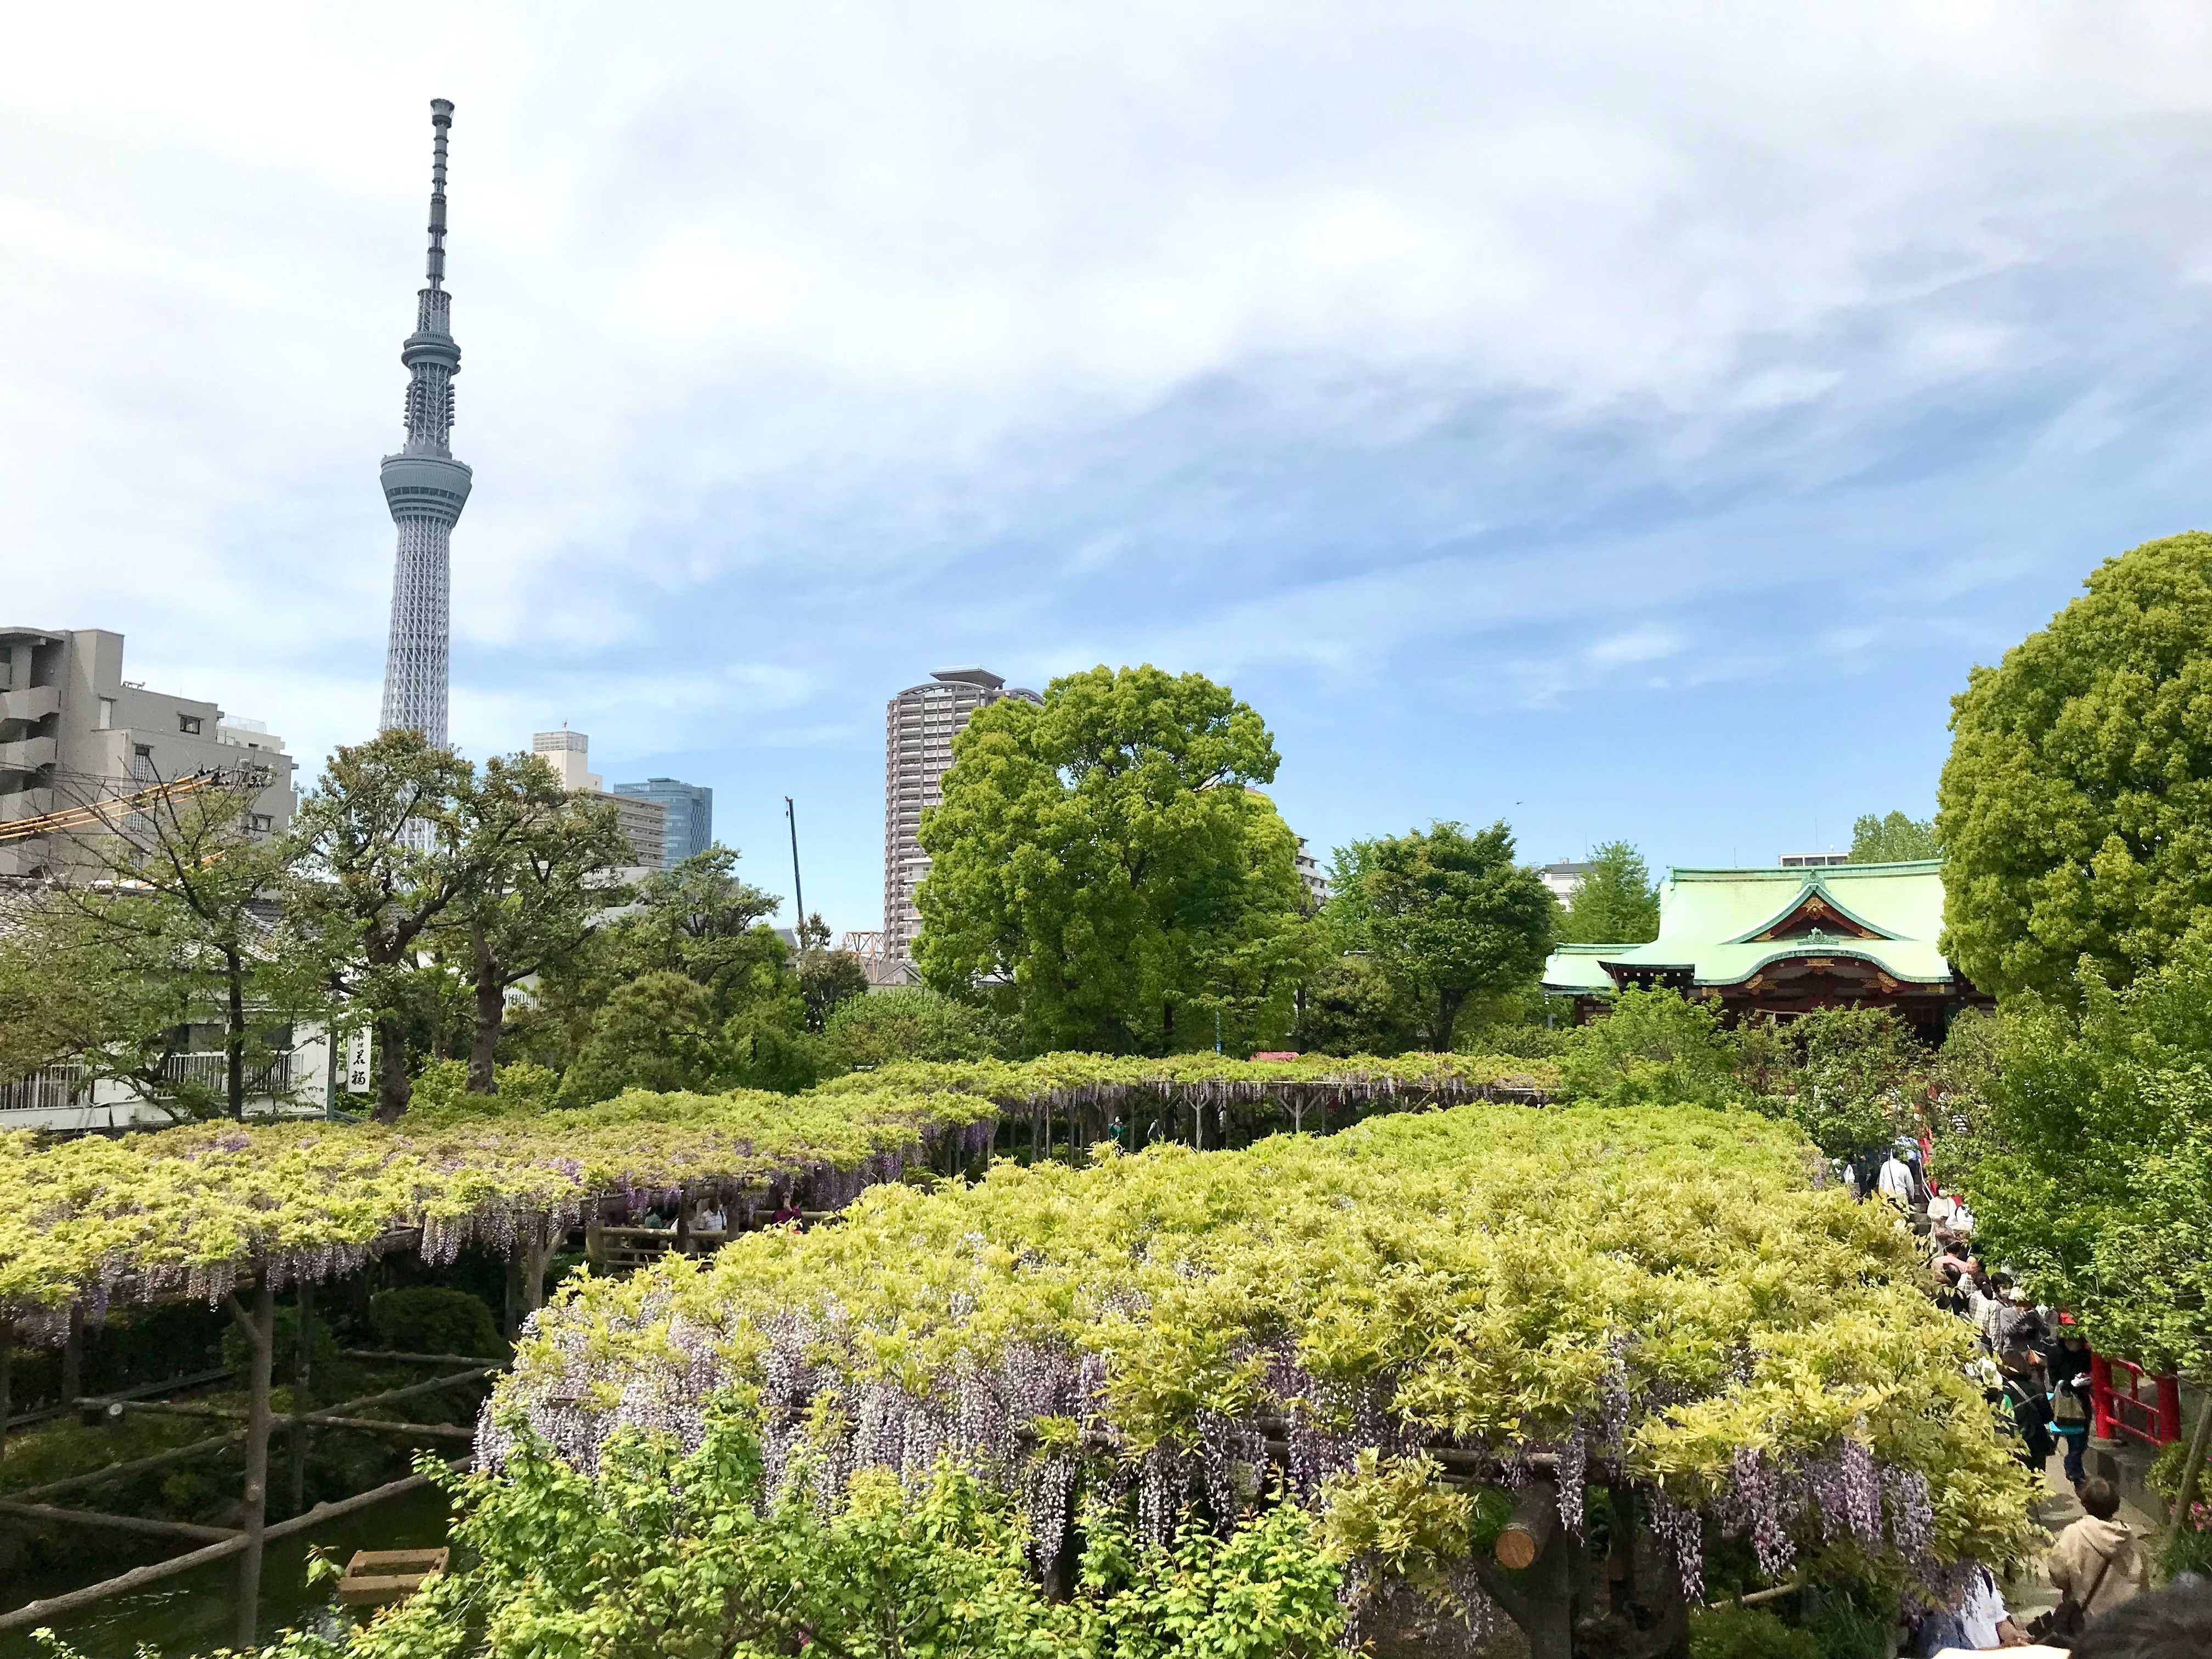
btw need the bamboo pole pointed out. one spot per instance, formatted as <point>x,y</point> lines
<point>261,1327</point>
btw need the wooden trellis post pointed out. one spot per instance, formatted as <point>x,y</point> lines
<point>303,1392</point>
<point>260,1326</point>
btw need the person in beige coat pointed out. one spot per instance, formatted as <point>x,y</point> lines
<point>2099,1562</point>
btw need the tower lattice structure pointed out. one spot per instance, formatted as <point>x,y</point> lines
<point>425,488</point>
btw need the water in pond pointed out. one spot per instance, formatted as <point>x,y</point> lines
<point>191,1612</point>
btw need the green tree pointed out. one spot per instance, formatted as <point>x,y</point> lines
<point>700,922</point>
<point>1450,917</point>
<point>1109,851</point>
<point>2091,1157</point>
<point>165,921</point>
<point>1895,839</point>
<point>2077,804</point>
<point>658,1031</point>
<point>1349,1007</point>
<point>909,1023</point>
<point>545,876</point>
<point>828,979</point>
<point>382,857</point>
<point>1618,902</point>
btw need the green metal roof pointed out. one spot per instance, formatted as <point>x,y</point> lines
<point>1710,921</point>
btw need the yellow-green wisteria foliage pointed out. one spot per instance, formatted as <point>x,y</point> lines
<point>1660,1294</point>
<point>184,1211</point>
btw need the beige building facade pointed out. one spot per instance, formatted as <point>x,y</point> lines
<point>74,732</point>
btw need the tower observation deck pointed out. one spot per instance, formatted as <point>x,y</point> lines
<point>425,488</point>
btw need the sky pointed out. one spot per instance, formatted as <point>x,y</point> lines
<point>1629,422</point>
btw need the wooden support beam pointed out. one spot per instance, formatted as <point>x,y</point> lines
<point>135,1466</point>
<point>115,1522</point>
<point>1535,1513</point>
<point>33,1614</point>
<point>411,1358</point>
<point>428,1431</point>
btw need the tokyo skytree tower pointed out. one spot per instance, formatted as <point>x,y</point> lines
<point>425,488</point>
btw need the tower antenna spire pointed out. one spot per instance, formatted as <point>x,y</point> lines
<point>425,487</point>
<point>441,119</point>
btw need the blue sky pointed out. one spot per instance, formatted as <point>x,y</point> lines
<point>1628,421</point>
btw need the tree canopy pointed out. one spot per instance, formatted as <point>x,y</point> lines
<point>1618,902</point>
<point>1451,917</point>
<point>1108,851</point>
<point>2088,1153</point>
<point>2076,803</point>
<point>1895,839</point>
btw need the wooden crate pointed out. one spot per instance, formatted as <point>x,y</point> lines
<point>376,1577</point>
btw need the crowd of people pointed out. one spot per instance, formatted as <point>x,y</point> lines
<point>2035,1370</point>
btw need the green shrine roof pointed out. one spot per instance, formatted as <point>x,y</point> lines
<point>1725,926</point>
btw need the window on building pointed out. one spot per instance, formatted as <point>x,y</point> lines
<point>189,724</point>
<point>260,822</point>
<point>107,714</point>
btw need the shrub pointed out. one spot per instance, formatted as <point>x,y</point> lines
<point>441,1096</point>
<point>431,1319</point>
<point>1651,1048</point>
<point>1748,1633</point>
<point>909,1024</point>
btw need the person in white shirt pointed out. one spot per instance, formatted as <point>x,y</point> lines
<point>709,1219</point>
<point>1984,1618</point>
<point>1895,1181</point>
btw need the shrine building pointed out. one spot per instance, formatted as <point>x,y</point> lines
<point>1784,941</point>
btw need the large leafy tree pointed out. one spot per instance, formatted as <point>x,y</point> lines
<point>543,873</point>
<point>387,847</point>
<point>1618,902</point>
<point>1895,839</point>
<point>2076,804</point>
<point>1349,1007</point>
<point>1108,850</point>
<point>1451,917</point>
<point>2090,1150</point>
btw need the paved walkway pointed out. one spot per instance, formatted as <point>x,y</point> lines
<point>2030,1592</point>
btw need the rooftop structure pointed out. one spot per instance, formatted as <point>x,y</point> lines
<point>1784,941</point>
<point>919,726</point>
<point>690,810</point>
<point>1813,860</point>
<point>644,822</point>
<point>1565,879</point>
<point>425,488</point>
<point>74,732</point>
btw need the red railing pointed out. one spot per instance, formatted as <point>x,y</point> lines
<point>2120,1406</point>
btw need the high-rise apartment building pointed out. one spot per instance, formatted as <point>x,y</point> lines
<point>919,726</point>
<point>644,822</point>
<point>690,809</point>
<point>425,488</point>
<point>73,732</point>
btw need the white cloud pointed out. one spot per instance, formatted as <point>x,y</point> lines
<point>833,340</point>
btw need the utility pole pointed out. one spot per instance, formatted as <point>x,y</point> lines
<point>798,892</point>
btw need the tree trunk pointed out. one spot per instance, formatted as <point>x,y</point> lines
<point>393,1090</point>
<point>1448,1007</point>
<point>7,1382</point>
<point>1549,1607</point>
<point>491,1011</point>
<point>234,1036</point>
<point>260,1329</point>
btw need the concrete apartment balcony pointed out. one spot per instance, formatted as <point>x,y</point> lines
<point>31,703</point>
<point>28,754</point>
